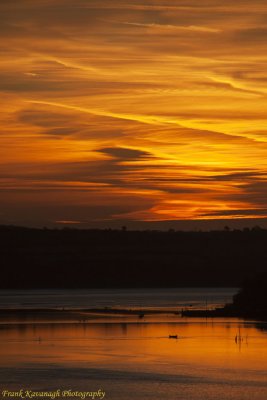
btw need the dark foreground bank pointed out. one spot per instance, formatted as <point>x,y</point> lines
<point>249,302</point>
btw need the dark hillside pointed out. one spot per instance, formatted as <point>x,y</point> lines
<point>32,258</point>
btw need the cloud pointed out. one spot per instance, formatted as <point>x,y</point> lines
<point>255,35</point>
<point>43,118</point>
<point>238,213</point>
<point>159,104</point>
<point>51,123</point>
<point>240,176</point>
<point>191,28</point>
<point>124,154</point>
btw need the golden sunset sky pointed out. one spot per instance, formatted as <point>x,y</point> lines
<point>139,110</point>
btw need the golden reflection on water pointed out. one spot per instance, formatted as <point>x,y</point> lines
<point>203,344</point>
<point>132,359</point>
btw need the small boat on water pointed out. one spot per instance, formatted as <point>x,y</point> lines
<point>173,336</point>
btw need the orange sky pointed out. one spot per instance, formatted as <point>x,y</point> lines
<point>133,110</point>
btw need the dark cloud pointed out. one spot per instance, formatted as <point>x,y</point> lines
<point>18,82</point>
<point>85,126</point>
<point>61,131</point>
<point>44,213</point>
<point>43,118</point>
<point>237,176</point>
<point>122,153</point>
<point>102,171</point>
<point>53,124</point>
<point>252,35</point>
<point>237,212</point>
<point>255,192</point>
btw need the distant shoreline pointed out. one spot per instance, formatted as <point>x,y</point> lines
<point>80,259</point>
<point>104,310</point>
<point>79,315</point>
<point>83,315</point>
<point>228,311</point>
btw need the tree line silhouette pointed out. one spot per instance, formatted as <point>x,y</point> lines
<point>72,258</point>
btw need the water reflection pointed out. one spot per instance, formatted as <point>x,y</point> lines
<point>123,355</point>
<point>195,339</point>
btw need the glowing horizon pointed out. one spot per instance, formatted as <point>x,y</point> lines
<point>141,110</point>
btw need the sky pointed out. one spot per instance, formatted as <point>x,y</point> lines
<point>133,112</point>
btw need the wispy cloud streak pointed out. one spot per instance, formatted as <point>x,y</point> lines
<point>138,110</point>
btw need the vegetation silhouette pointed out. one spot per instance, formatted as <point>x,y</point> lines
<point>72,258</point>
<point>249,302</point>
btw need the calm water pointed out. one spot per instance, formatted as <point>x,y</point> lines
<point>124,298</point>
<point>129,358</point>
